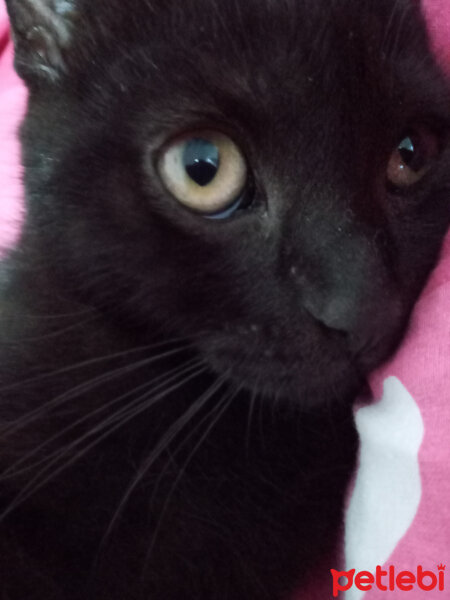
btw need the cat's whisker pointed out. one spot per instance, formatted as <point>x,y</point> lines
<point>251,412</point>
<point>57,333</point>
<point>214,416</point>
<point>97,360</point>
<point>153,384</point>
<point>50,317</point>
<point>384,47</point>
<point>116,421</point>
<point>399,16</point>
<point>89,385</point>
<point>162,445</point>
<point>190,435</point>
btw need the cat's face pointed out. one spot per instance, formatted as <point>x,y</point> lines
<point>268,178</point>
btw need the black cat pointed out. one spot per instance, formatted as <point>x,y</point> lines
<point>232,207</point>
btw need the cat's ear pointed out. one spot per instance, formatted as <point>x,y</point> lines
<point>42,32</point>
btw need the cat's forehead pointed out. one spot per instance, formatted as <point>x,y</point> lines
<point>259,40</point>
<point>250,29</point>
<point>267,42</point>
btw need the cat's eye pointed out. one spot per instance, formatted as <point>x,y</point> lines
<point>206,172</point>
<point>412,158</point>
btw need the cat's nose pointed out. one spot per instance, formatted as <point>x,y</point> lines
<point>335,312</point>
<point>344,286</point>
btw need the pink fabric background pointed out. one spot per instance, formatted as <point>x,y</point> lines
<point>422,364</point>
<point>12,104</point>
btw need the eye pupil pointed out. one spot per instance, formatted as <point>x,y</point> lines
<point>201,172</point>
<point>201,161</point>
<point>407,151</point>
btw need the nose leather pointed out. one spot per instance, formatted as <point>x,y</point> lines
<point>342,278</point>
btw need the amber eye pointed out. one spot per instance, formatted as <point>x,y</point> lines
<point>206,172</point>
<point>412,158</point>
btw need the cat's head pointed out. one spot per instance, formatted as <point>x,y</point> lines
<point>269,178</point>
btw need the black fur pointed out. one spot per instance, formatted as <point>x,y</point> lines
<point>175,391</point>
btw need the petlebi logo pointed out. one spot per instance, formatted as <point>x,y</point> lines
<point>389,580</point>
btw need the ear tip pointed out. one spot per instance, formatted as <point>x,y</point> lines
<point>41,33</point>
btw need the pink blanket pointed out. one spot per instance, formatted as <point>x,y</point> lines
<point>399,511</point>
<point>12,104</point>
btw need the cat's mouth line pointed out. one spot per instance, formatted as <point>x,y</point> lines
<point>266,373</point>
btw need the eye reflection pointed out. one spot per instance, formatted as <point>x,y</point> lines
<point>406,150</point>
